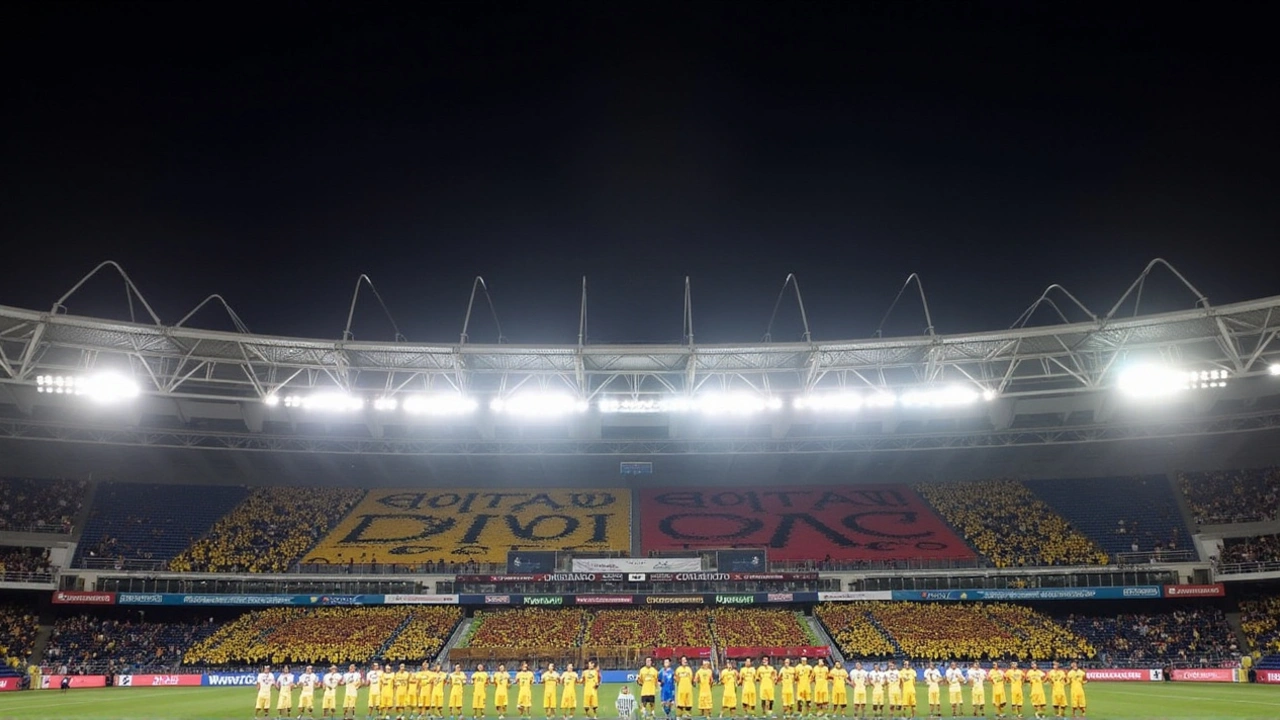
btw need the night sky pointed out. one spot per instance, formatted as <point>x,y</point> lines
<point>271,152</point>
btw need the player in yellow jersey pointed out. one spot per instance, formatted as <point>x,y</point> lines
<point>787,676</point>
<point>501,680</point>
<point>1035,679</point>
<point>591,690</point>
<point>839,689</point>
<point>729,694</point>
<point>479,691</point>
<point>821,690</point>
<point>569,694</point>
<point>437,692</point>
<point>804,686</point>
<point>768,677</point>
<point>908,678</point>
<point>1077,678</point>
<point>706,677</point>
<point>996,676</point>
<point>1015,677</point>
<point>457,687</point>
<point>423,698</point>
<point>747,681</point>
<point>647,679</point>
<point>524,691</point>
<point>407,694</point>
<point>684,689</point>
<point>550,690</point>
<point>858,676</point>
<point>1058,683</point>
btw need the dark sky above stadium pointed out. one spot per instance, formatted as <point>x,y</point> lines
<point>271,152</point>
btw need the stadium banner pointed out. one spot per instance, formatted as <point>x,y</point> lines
<point>537,561</point>
<point>872,522</point>
<point>1227,675</point>
<point>613,577</point>
<point>1137,592</point>
<point>1124,675</point>
<point>604,600</point>
<point>731,576</point>
<point>54,682</point>
<point>83,597</point>
<point>1270,677</point>
<point>776,652</point>
<point>419,599</point>
<point>650,600</point>
<point>232,600</point>
<point>617,676</point>
<point>229,679</point>
<point>10,683</point>
<point>854,596</point>
<point>741,560</point>
<point>636,565</point>
<point>459,524</point>
<point>1183,591</point>
<point>158,680</point>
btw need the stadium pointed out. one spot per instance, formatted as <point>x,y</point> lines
<point>1060,507</point>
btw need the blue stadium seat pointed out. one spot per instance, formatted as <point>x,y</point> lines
<point>152,522</point>
<point>1095,506</point>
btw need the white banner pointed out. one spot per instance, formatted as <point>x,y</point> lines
<point>420,599</point>
<point>1124,674</point>
<point>854,596</point>
<point>636,565</point>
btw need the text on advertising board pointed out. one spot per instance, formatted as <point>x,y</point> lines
<point>455,524</point>
<point>83,597</point>
<point>1215,590</point>
<point>1204,675</point>
<point>872,522</point>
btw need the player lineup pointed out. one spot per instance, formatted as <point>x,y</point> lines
<point>680,692</point>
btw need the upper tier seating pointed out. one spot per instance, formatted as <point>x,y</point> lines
<point>1184,634</point>
<point>44,505</point>
<point>154,523</point>
<point>1232,496</point>
<point>87,644</point>
<point>1116,513</point>
<point>1258,549</point>
<point>1012,527</point>
<point>269,531</point>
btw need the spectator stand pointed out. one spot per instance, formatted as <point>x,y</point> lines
<point>1196,635</point>
<point>25,565</point>
<point>1143,517</point>
<point>122,642</point>
<point>29,505</point>
<point>1226,497</point>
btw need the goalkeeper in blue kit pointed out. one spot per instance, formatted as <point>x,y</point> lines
<point>626,704</point>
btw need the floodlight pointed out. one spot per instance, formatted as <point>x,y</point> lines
<point>272,400</point>
<point>385,404</point>
<point>57,385</point>
<point>831,401</point>
<point>440,404</point>
<point>1151,381</point>
<point>328,401</point>
<point>1205,379</point>
<point>1274,368</point>
<point>989,395</point>
<point>735,403</point>
<point>642,406</point>
<point>537,404</point>
<point>108,387</point>
<point>940,397</point>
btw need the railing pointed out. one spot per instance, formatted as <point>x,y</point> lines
<point>139,564</point>
<point>1157,556</point>
<point>26,577</point>
<point>1241,568</point>
<point>48,529</point>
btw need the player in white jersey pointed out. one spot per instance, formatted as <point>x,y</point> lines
<point>266,681</point>
<point>893,683</point>
<point>373,679</point>
<point>330,683</point>
<point>858,677</point>
<point>307,681</point>
<point>978,690</point>
<point>284,704</point>
<point>955,678</point>
<point>932,679</point>
<point>351,682</point>
<point>877,678</point>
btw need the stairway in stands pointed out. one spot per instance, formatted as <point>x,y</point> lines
<point>884,632</point>
<point>382,649</point>
<point>460,632</point>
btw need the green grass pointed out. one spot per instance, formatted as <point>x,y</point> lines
<point>1107,701</point>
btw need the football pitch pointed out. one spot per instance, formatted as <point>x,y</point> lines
<point>1107,701</point>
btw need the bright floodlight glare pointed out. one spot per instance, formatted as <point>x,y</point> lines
<point>441,404</point>
<point>537,404</point>
<point>830,402</point>
<point>1205,379</point>
<point>385,404</point>
<point>989,395</point>
<point>1151,381</point>
<point>108,387</point>
<point>57,385</point>
<point>642,406</point>
<point>327,401</point>
<point>1274,368</point>
<point>940,397</point>
<point>735,403</point>
<point>272,400</point>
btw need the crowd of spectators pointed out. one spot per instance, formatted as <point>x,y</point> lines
<point>301,635</point>
<point>23,563</point>
<point>88,644</point>
<point>268,532</point>
<point>1259,549</point>
<point>40,505</point>
<point>938,632</point>
<point>1232,496</point>
<point>529,627</point>
<point>760,627</point>
<point>1193,634</point>
<point>646,628</point>
<point>1260,621</point>
<point>18,627</point>
<point>427,631</point>
<point>1007,523</point>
